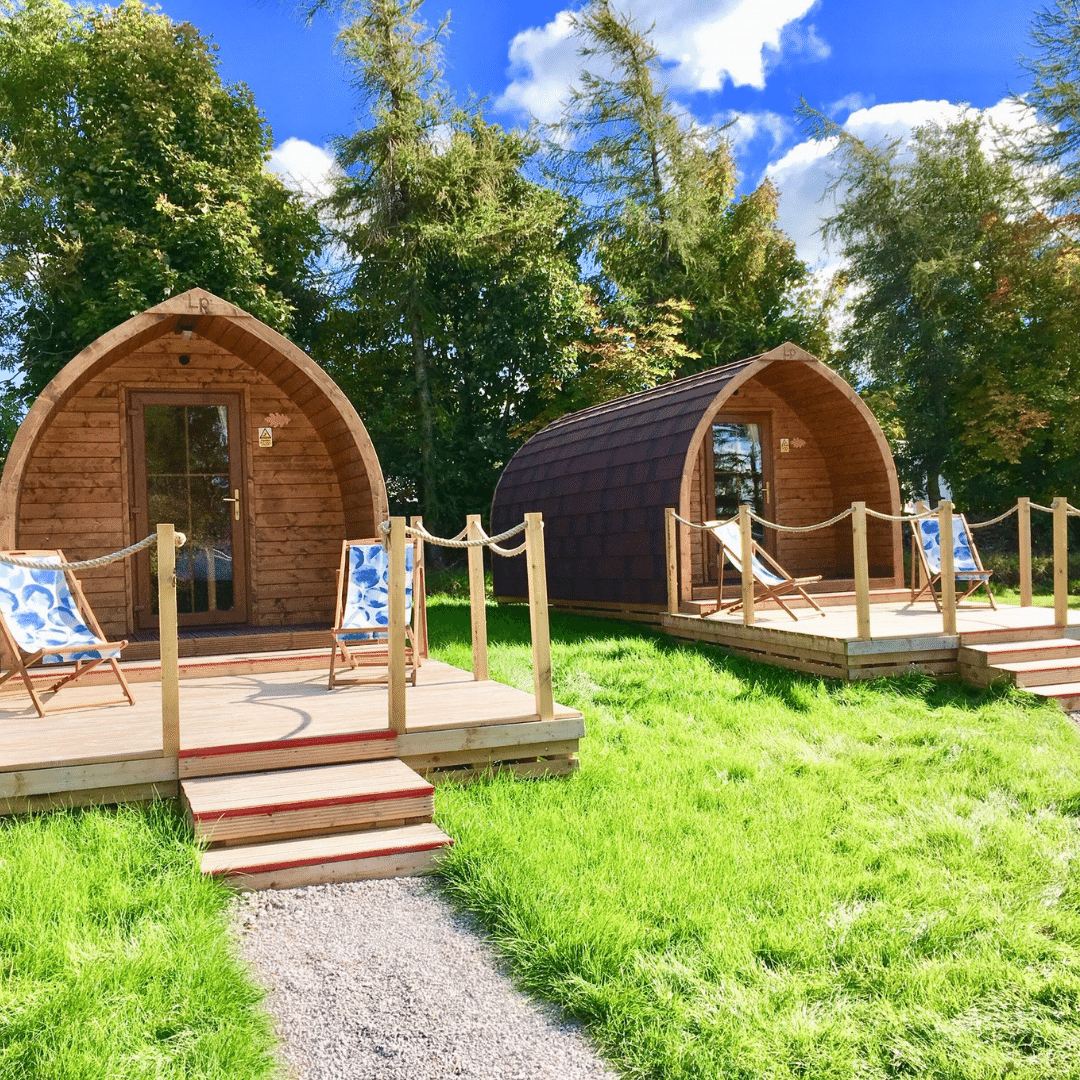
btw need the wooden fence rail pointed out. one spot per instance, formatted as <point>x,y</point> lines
<point>170,644</point>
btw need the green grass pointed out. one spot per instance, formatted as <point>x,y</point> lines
<point>1006,594</point>
<point>759,874</point>
<point>115,958</point>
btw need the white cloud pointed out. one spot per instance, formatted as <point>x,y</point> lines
<point>704,43</point>
<point>303,166</point>
<point>804,173</point>
<point>746,128</point>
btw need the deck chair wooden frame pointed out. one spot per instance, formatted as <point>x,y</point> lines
<point>374,651</point>
<point>763,568</point>
<point>23,658</point>
<point>977,575</point>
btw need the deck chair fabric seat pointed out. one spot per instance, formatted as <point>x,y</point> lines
<point>771,582</point>
<point>967,565</point>
<point>45,619</point>
<point>363,606</point>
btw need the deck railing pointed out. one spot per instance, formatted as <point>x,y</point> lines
<point>1061,509</point>
<point>474,539</point>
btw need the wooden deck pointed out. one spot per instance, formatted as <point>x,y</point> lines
<point>254,720</point>
<point>904,636</point>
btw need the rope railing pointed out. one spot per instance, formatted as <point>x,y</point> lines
<point>993,521</point>
<point>859,513</point>
<point>801,528</point>
<point>456,542</point>
<point>88,564</point>
<point>395,536</point>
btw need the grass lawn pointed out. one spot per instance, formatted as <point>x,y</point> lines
<point>116,959</point>
<point>760,874</point>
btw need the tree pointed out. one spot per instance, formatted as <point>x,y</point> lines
<point>964,312</point>
<point>666,223</point>
<point>460,288</point>
<point>128,172</point>
<point>1052,148</point>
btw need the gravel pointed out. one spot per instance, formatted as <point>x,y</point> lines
<point>385,980</point>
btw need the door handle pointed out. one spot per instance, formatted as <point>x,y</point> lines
<point>235,500</point>
<point>767,498</point>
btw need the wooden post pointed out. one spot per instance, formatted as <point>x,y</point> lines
<point>948,567</point>
<point>1061,562</point>
<point>538,616</point>
<point>747,570</point>
<point>419,591</point>
<point>396,629</point>
<point>170,645</point>
<point>671,544</point>
<point>477,602</point>
<point>862,570</point>
<point>1023,528</point>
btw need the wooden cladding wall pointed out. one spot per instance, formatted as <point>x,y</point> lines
<point>76,490</point>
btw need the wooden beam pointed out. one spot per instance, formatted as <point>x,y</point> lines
<point>862,570</point>
<point>948,567</point>
<point>396,628</point>
<point>1023,527</point>
<point>1061,562</point>
<point>747,556</point>
<point>538,615</point>
<point>420,633</point>
<point>671,544</point>
<point>169,642</point>
<point>477,601</point>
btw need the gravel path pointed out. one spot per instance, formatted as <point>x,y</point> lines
<point>383,980</point>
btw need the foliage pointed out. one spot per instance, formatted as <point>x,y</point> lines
<point>762,874</point>
<point>128,172</point>
<point>1052,147</point>
<point>118,961</point>
<point>665,222</point>
<point>461,290</point>
<point>964,311</point>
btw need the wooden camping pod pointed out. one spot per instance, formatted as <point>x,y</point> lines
<point>76,475</point>
<point>603,476</point>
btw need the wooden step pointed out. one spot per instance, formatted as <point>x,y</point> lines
<point>1067,695</point>
<point>253,757</point>
<point>1030,673</point>
<point>1010,634</point>
<point>263,806</point>
<point>1008,652</point>
<point>286,864</point>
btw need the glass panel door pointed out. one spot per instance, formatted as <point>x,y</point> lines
<point>739,472</point>
<point>187,472</point>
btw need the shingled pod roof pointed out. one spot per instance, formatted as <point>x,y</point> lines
<point>603,476</point>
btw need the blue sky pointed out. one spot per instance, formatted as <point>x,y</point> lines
<point>881,68</point>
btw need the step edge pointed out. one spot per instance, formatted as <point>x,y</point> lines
<point>319,860</point>
<point>420,792</point>
<point>287,744</point>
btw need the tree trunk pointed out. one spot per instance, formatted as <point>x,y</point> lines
<point>428,497</point>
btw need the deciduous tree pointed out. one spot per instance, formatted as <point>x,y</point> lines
<point>128,172</point>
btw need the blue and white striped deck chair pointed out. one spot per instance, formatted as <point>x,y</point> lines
<point>44,618</point>
<point>362,617</point>
<point>771,582</point>
<point>968,567</point>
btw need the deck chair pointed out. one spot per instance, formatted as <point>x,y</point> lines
<point>968,567</point>
<point>44,618</point>
<point>362,616</point>
<point>771,582</point>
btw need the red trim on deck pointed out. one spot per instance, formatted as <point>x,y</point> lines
<point>268,868</point>
<point>311,804</point>
<point>285,744</point>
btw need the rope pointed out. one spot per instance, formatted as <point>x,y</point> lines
<point>992,521</point>
<point>1044,509</point>
<point>704,524</point>
<point>87,564</point>
<point>442,541</point>
<point>801,528</point>
<point>1073,512</point>
<point>897,517</point>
